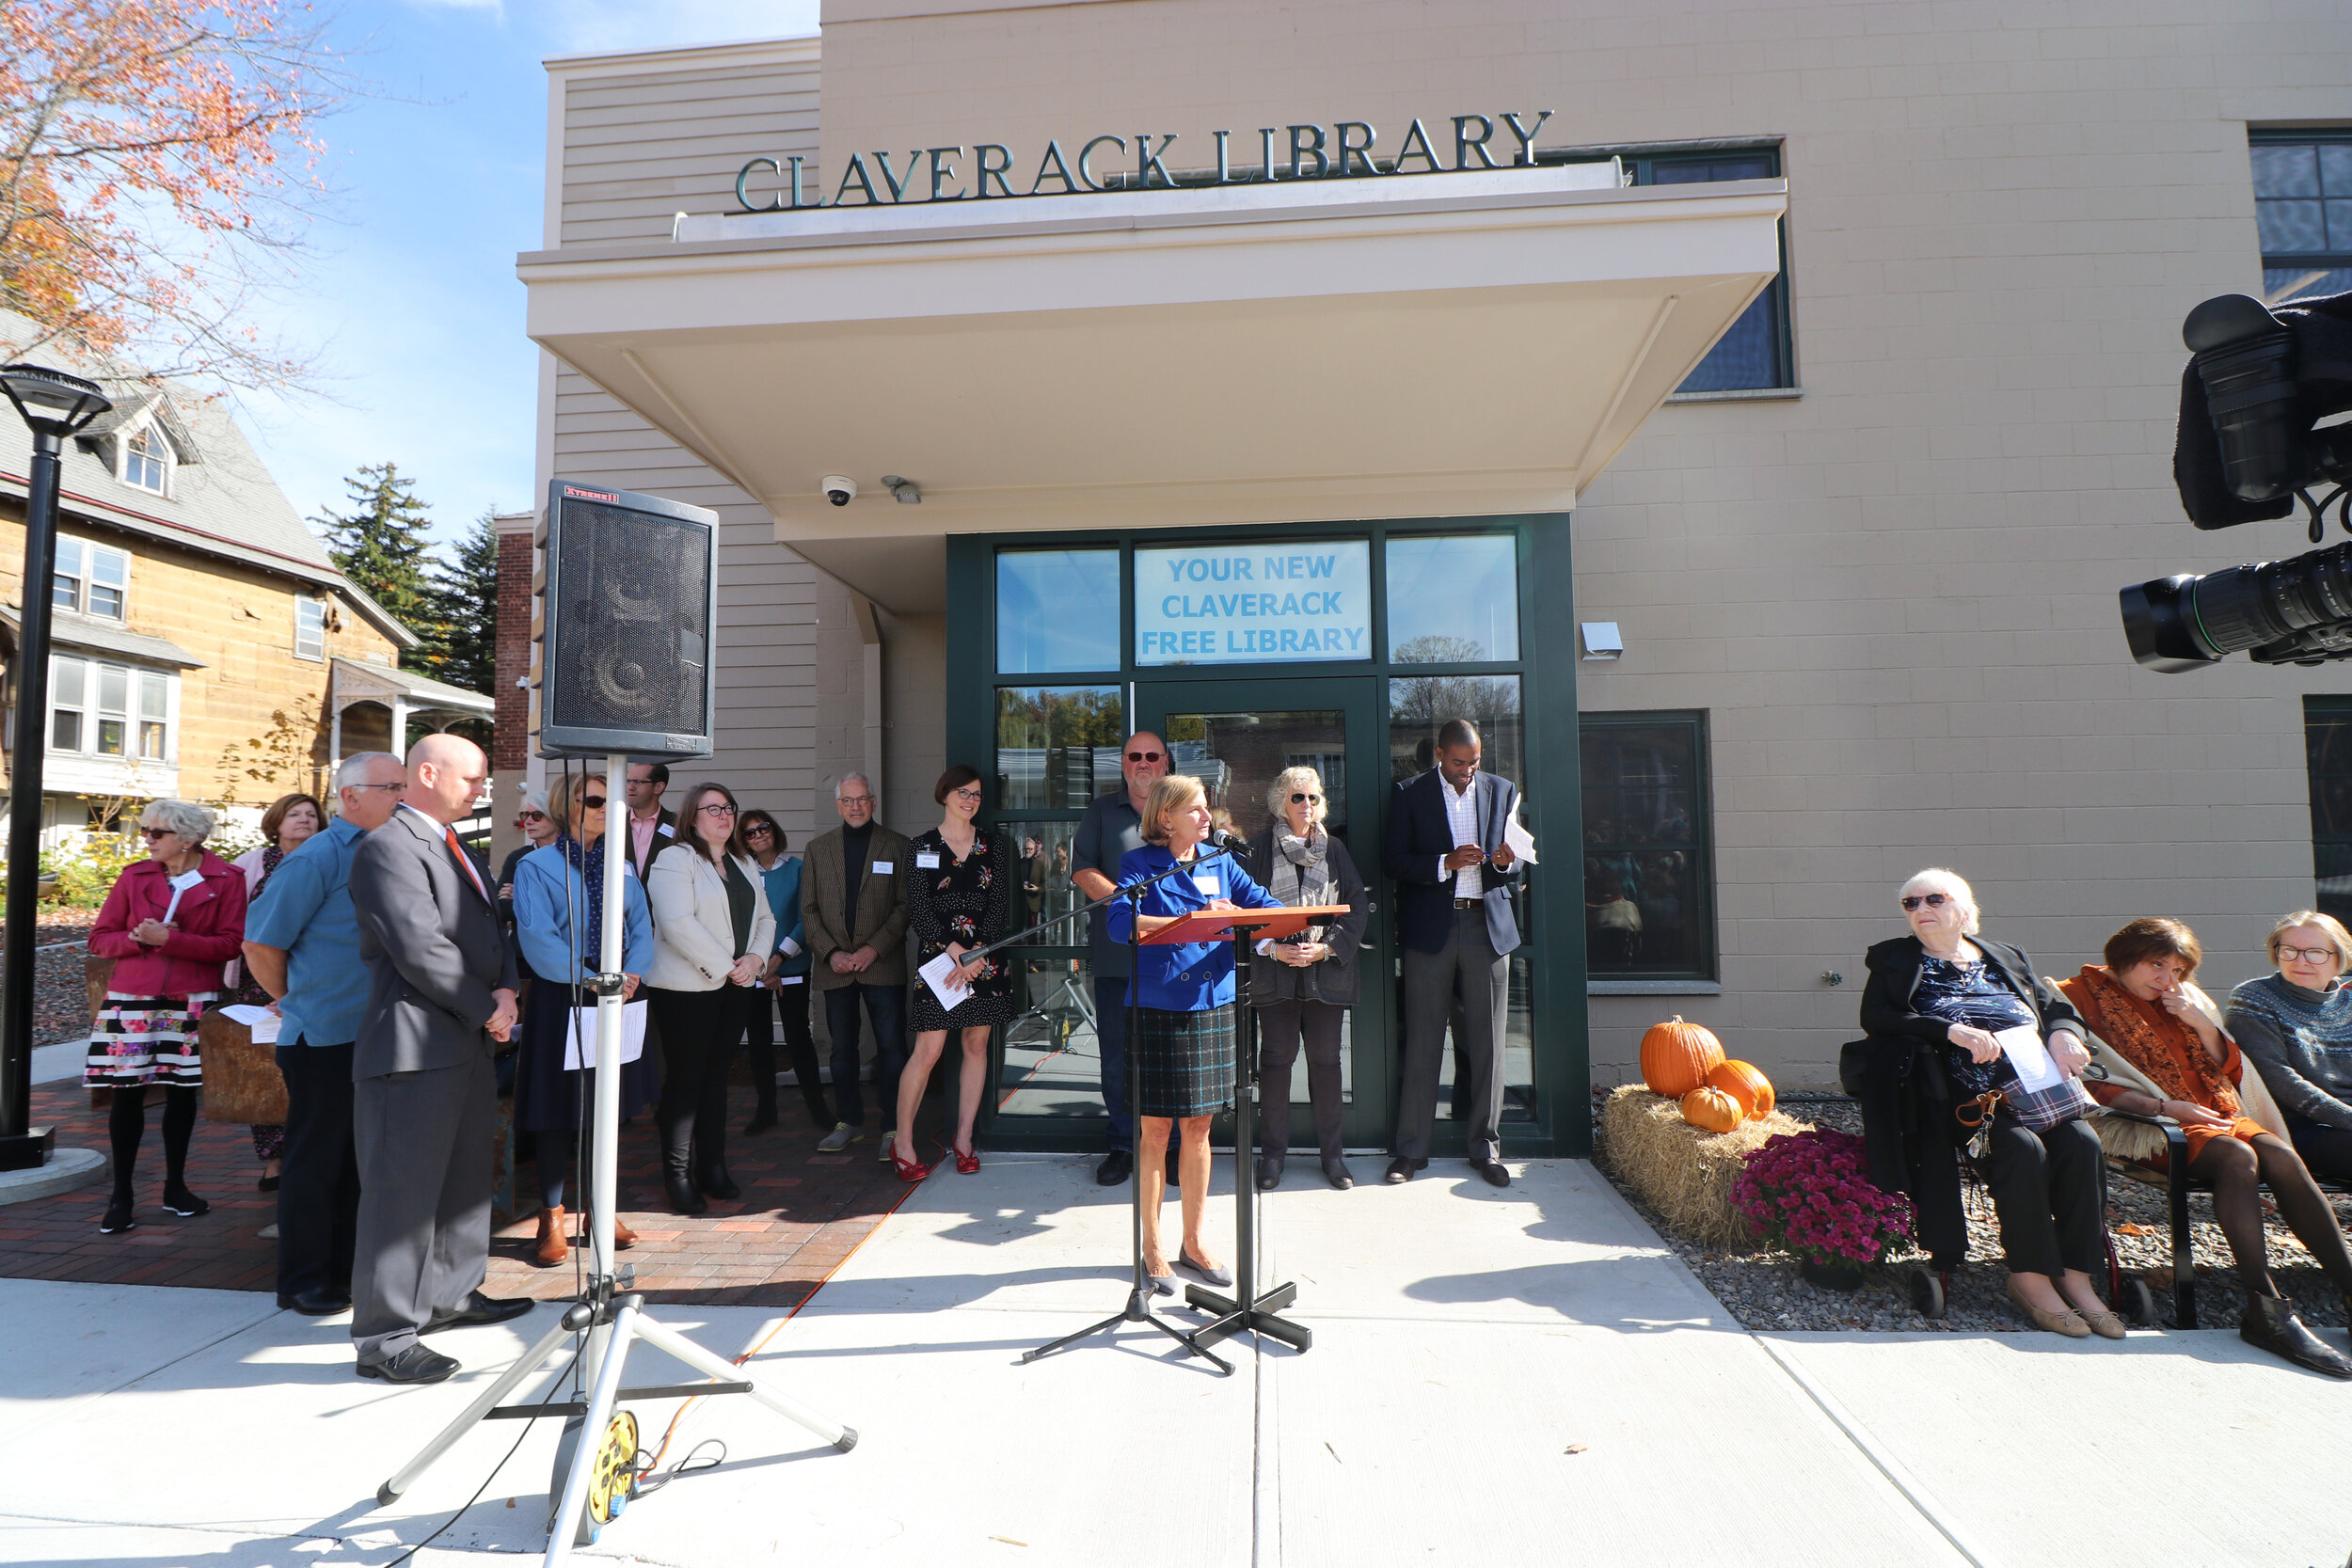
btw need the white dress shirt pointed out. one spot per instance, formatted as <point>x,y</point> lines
<point>1461,816</point>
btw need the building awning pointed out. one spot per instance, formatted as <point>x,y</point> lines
<point>359,681</point>
<point>87,634</point>
<point>1473,343</point>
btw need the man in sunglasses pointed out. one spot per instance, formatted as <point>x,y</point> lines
<point>1112,826</point>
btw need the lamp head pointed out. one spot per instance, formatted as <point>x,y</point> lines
<point>52,402</point>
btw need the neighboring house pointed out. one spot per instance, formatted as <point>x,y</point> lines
<point>190,606</point>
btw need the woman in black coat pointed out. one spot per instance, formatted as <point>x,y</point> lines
<point>1953,990</point>
<point>1301,988</point>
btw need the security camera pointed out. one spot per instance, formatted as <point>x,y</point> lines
<point>840,489</point>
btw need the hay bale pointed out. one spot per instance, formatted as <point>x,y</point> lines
<point>1683,1173</point>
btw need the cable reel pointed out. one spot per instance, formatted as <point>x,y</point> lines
<point>612,1476</point>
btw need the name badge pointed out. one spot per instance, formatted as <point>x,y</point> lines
<point>925,860</point>
<point>791,979</point>
<point>885,868</point>
<point>1207,883</point>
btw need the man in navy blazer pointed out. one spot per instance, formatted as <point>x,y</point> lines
<point>1445,851</point>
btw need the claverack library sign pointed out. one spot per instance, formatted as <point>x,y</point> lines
<point>1111,162</point>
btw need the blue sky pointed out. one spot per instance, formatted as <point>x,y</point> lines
<point>412,306</point>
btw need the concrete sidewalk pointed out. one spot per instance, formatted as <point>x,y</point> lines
<point>1518,1377</point>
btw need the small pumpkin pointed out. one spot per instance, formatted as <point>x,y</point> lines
<point>1677,1056</point>
<point>1710,1110</point>
<point>1745,1083</point>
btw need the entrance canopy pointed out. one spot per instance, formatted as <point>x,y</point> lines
<point>1445,345</point>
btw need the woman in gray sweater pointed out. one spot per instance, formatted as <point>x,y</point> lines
<point>2295,1028</point>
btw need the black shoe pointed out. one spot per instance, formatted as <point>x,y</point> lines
<point>184,1203</point>
<point>684,1199</point>
<point>417,1364</point>
<point>715,1181</point>
<point>479,1309</point>
<point>1492,1170</point>
<point>761,1120</point>
<point>318,1301</point>
<point>1335,1172</point>
<point>267,1185</point>
<point>1400,1171</point>
<point>2270,1324</point>
<point>118,1218</point>
<point>1202,1272</point>
<point>1269,1174</point>
<point>1118,1165</point>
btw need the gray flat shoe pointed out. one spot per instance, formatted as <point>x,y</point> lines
<point>1202,1272</point>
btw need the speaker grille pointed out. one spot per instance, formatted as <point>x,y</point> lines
<point>631,649</point>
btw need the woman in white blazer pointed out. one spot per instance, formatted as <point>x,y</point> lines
<point>712,930</point>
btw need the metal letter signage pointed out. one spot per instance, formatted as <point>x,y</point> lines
<point>1345,151</point>
<point>1277,602</point>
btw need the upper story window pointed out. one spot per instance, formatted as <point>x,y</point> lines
<point>147,459</point>
<point>1759,352</point>
<point>310,627</point>
<point>90,578</point>
<point>2303,210</point>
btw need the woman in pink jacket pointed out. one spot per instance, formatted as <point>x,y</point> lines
<point>171,923</point>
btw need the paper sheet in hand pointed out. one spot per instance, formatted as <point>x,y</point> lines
<point>2030,1057</point>
<point>581,1050</point>
<point>935,976</point>
<point>1517,839</point>
<point>260,1019</point>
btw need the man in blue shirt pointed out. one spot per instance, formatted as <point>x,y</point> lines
<point>302,943</point>
<point>1112,827</point>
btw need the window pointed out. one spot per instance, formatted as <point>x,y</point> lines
<point>90,578</point>
<point>310,627</point>
<point>1454,599</point>
<point>1056,612</point>
<point>1057,746</point>
<point>2328,753</point>
<point>108,710</point>
<point>1649,877</point>
<point>2303,210</point>
<point>1757,352</point>
<point>146,459</point>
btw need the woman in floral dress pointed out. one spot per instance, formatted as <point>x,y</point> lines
<point>959,897</point>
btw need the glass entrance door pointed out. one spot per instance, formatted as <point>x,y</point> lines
<point>1237,736</point>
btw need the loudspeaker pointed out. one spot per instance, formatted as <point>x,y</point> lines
<point>626,598</point>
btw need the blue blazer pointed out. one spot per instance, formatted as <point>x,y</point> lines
<point>546,887</point>
<point>783,880</point>
<point>1419,837</point>
<point>1195,977</point>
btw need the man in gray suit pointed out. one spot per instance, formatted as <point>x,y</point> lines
<point>442,988</point>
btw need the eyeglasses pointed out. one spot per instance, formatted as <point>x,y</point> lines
<point>396,783</point>
<point>1932,901</point>
<point>1303,799</point>
<point>2306,955</point>
<point>150,834</point>
<point>722,809</point>
<point>1145,756</point>
<point>853,799</point>
<point>970,794</point>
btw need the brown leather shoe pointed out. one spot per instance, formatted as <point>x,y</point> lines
<point>623,1237</point>
<point>553,1248</point>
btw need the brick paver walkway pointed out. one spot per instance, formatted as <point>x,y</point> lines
<point>801,1213</point>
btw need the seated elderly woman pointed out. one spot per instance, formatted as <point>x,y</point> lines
<point>1957,990</point>
<point>2140,1004</point>
<point>2295,1028</point>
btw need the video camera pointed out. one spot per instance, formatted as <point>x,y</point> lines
<point>2250,444</point>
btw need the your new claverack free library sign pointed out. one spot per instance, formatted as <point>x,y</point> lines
<point>1248,604</point>
<point>1348,149</point>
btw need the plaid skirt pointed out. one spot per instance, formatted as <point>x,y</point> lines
<point>1183,1062</point>
<point>137,1041</point>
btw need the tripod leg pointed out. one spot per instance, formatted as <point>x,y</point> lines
<point>1107,1325</point>
<point>567,1512</point>
<point>673,1343</point>
<point>531,1362</point>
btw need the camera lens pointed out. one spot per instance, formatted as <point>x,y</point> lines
<point>2245,357</point>
<point>2281,611</point>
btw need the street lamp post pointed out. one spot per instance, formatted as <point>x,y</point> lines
<point>54,406</point>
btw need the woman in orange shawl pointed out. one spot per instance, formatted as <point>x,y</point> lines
<point>2137,1005</point>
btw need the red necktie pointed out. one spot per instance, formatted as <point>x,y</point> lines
<point>463,858</point>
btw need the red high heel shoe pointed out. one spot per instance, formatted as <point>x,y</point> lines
<point>966,1164</point>
<point>908,1170</point>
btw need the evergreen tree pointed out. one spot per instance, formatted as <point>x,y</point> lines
<point>465,610</point>
<point>381,546</point>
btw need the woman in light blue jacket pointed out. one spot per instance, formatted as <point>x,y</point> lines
<point>785,979</point>
<point>557,890</point>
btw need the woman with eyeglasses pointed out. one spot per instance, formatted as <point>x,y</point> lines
<point>2295,1028</point>
<point>1953,989</point>
<point>713,934</point>
<point>785,979</point>
<point>1301,987</point>
<point>559,930</point>
<point>171,923</point>
<point>959,897</point>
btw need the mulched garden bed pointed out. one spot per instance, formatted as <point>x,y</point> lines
<point>1762,1289</point>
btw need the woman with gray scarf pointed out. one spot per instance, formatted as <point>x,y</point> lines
<point>1302,988</point>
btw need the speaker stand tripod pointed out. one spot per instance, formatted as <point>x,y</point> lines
<point>599,1472</point>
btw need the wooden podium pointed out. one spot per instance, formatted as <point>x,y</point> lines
<point>1247,1308</point>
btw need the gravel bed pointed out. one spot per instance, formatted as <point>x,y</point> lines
<point>60,1001</point>
<point>1762,1289</point>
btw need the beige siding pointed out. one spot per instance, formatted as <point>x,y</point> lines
<point>640,149</point>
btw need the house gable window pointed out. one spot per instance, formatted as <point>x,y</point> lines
<point>147,460</point>
<point>310,627</point>
<point>90,578</point>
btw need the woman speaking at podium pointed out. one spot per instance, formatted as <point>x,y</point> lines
<point>1182,1050</point>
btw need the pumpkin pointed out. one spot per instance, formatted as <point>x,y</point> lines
<point>1745,1083</point>
<point>1677,1056</point>
<point>1710,1110</point>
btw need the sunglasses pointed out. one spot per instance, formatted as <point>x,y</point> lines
<point>756,829</point>
<point>1302,799</point>
<point>153,833</point>
<point>535,816</point>
<point>1932,901</point>
<point>1145,756</point>
<point>593,802</point>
